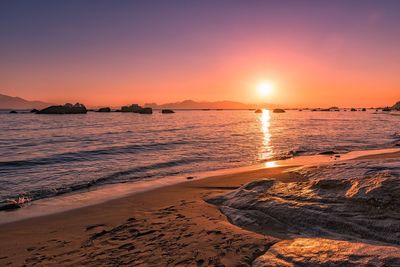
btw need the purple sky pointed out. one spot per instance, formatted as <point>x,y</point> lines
<point>117,52</point>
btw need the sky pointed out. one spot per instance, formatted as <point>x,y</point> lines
<point>313,53</point>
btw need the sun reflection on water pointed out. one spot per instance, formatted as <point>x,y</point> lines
<point>266,152</point>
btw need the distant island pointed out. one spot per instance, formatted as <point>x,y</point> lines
<point>191,104</point>
<point>10,102</point>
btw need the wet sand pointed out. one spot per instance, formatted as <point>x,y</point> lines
<point>167,226</point>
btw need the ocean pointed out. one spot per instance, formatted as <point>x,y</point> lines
<point>43,156</point>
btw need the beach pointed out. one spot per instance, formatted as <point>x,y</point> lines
<point>169,226</point>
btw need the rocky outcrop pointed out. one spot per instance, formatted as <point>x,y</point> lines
<point>359,208</point>
<point>146,111</point>
<point>13,112</point>
<point>34,110</point>
<point>167,111</point>
<point>258,111</point>
<point>107,109</point>
<point>279,110</point>
<point>135,108</point>
<point>64,109</point>
<point>327,252</point>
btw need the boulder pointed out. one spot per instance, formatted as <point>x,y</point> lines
<point>146,111</point>
<point>167,111</point>
<point>107,109</point>
<point>34,110</point>
<point>364,109</point>
<point>279,110</point>
<point>258,111</point>
<point>65,109</point>
<point>387,109</point>
<point>328,252</point>
<point>13,112</point>
<point>353,109</point>
<point>135,108</point>
<point>9,206</point>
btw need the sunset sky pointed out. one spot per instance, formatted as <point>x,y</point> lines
<point>313,53</point>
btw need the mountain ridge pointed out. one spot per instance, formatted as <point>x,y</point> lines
<point>14,102</point>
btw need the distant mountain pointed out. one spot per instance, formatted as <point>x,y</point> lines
<point>396,106</point>
<point>10,102</point>
<point>190,104</point>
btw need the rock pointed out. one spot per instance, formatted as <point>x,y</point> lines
<point>258,111</point>
<point>167,111</point>
<point>65,109</point>
<point>146,111</point>
<point>364,109</point>
<point>13,112</point>
<point>135,108</point>
<point>107,109</point>
<point>34,110</point>
<point>387,109</point>
<point>327,252</point>
<point>329,152</point>
<point>362,208</point>
<point>279,110</point>
<point>353,109</point>
<point>9,206</point>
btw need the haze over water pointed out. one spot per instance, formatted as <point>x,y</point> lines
<point>43,156</point>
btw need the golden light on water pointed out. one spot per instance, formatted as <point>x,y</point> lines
<point>265,118</point>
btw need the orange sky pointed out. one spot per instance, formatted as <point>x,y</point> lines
<point>314,55</point>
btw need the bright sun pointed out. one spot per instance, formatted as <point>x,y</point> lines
<point>264,88</point>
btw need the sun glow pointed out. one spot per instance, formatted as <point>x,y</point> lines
<point>265,88</point>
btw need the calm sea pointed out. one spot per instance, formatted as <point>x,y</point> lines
<point>48,155</point>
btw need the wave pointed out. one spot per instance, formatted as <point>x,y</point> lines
<point>124,176</point>
<point>85,155</point>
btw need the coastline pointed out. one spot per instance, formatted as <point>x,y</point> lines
<point>168,225</point>
<point>103,194</point>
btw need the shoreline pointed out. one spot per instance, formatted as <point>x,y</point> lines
<point>102,194</point>
<point>166,226</point>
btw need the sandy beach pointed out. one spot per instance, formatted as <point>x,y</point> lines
<point>169,226</point>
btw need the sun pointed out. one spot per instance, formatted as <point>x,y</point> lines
<point>265,88</point>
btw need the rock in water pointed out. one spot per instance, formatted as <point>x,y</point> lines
<point>107,109</point>
<point>279,110</point>
<point>258,111</point>
<point>34,110</point>
<point>146,111</point>
<point>65,109</point>
<point>13,112</point>
<point>9,206</point>
<point>167,111</point>
<point>327,252</point>
<point>135,108</point>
